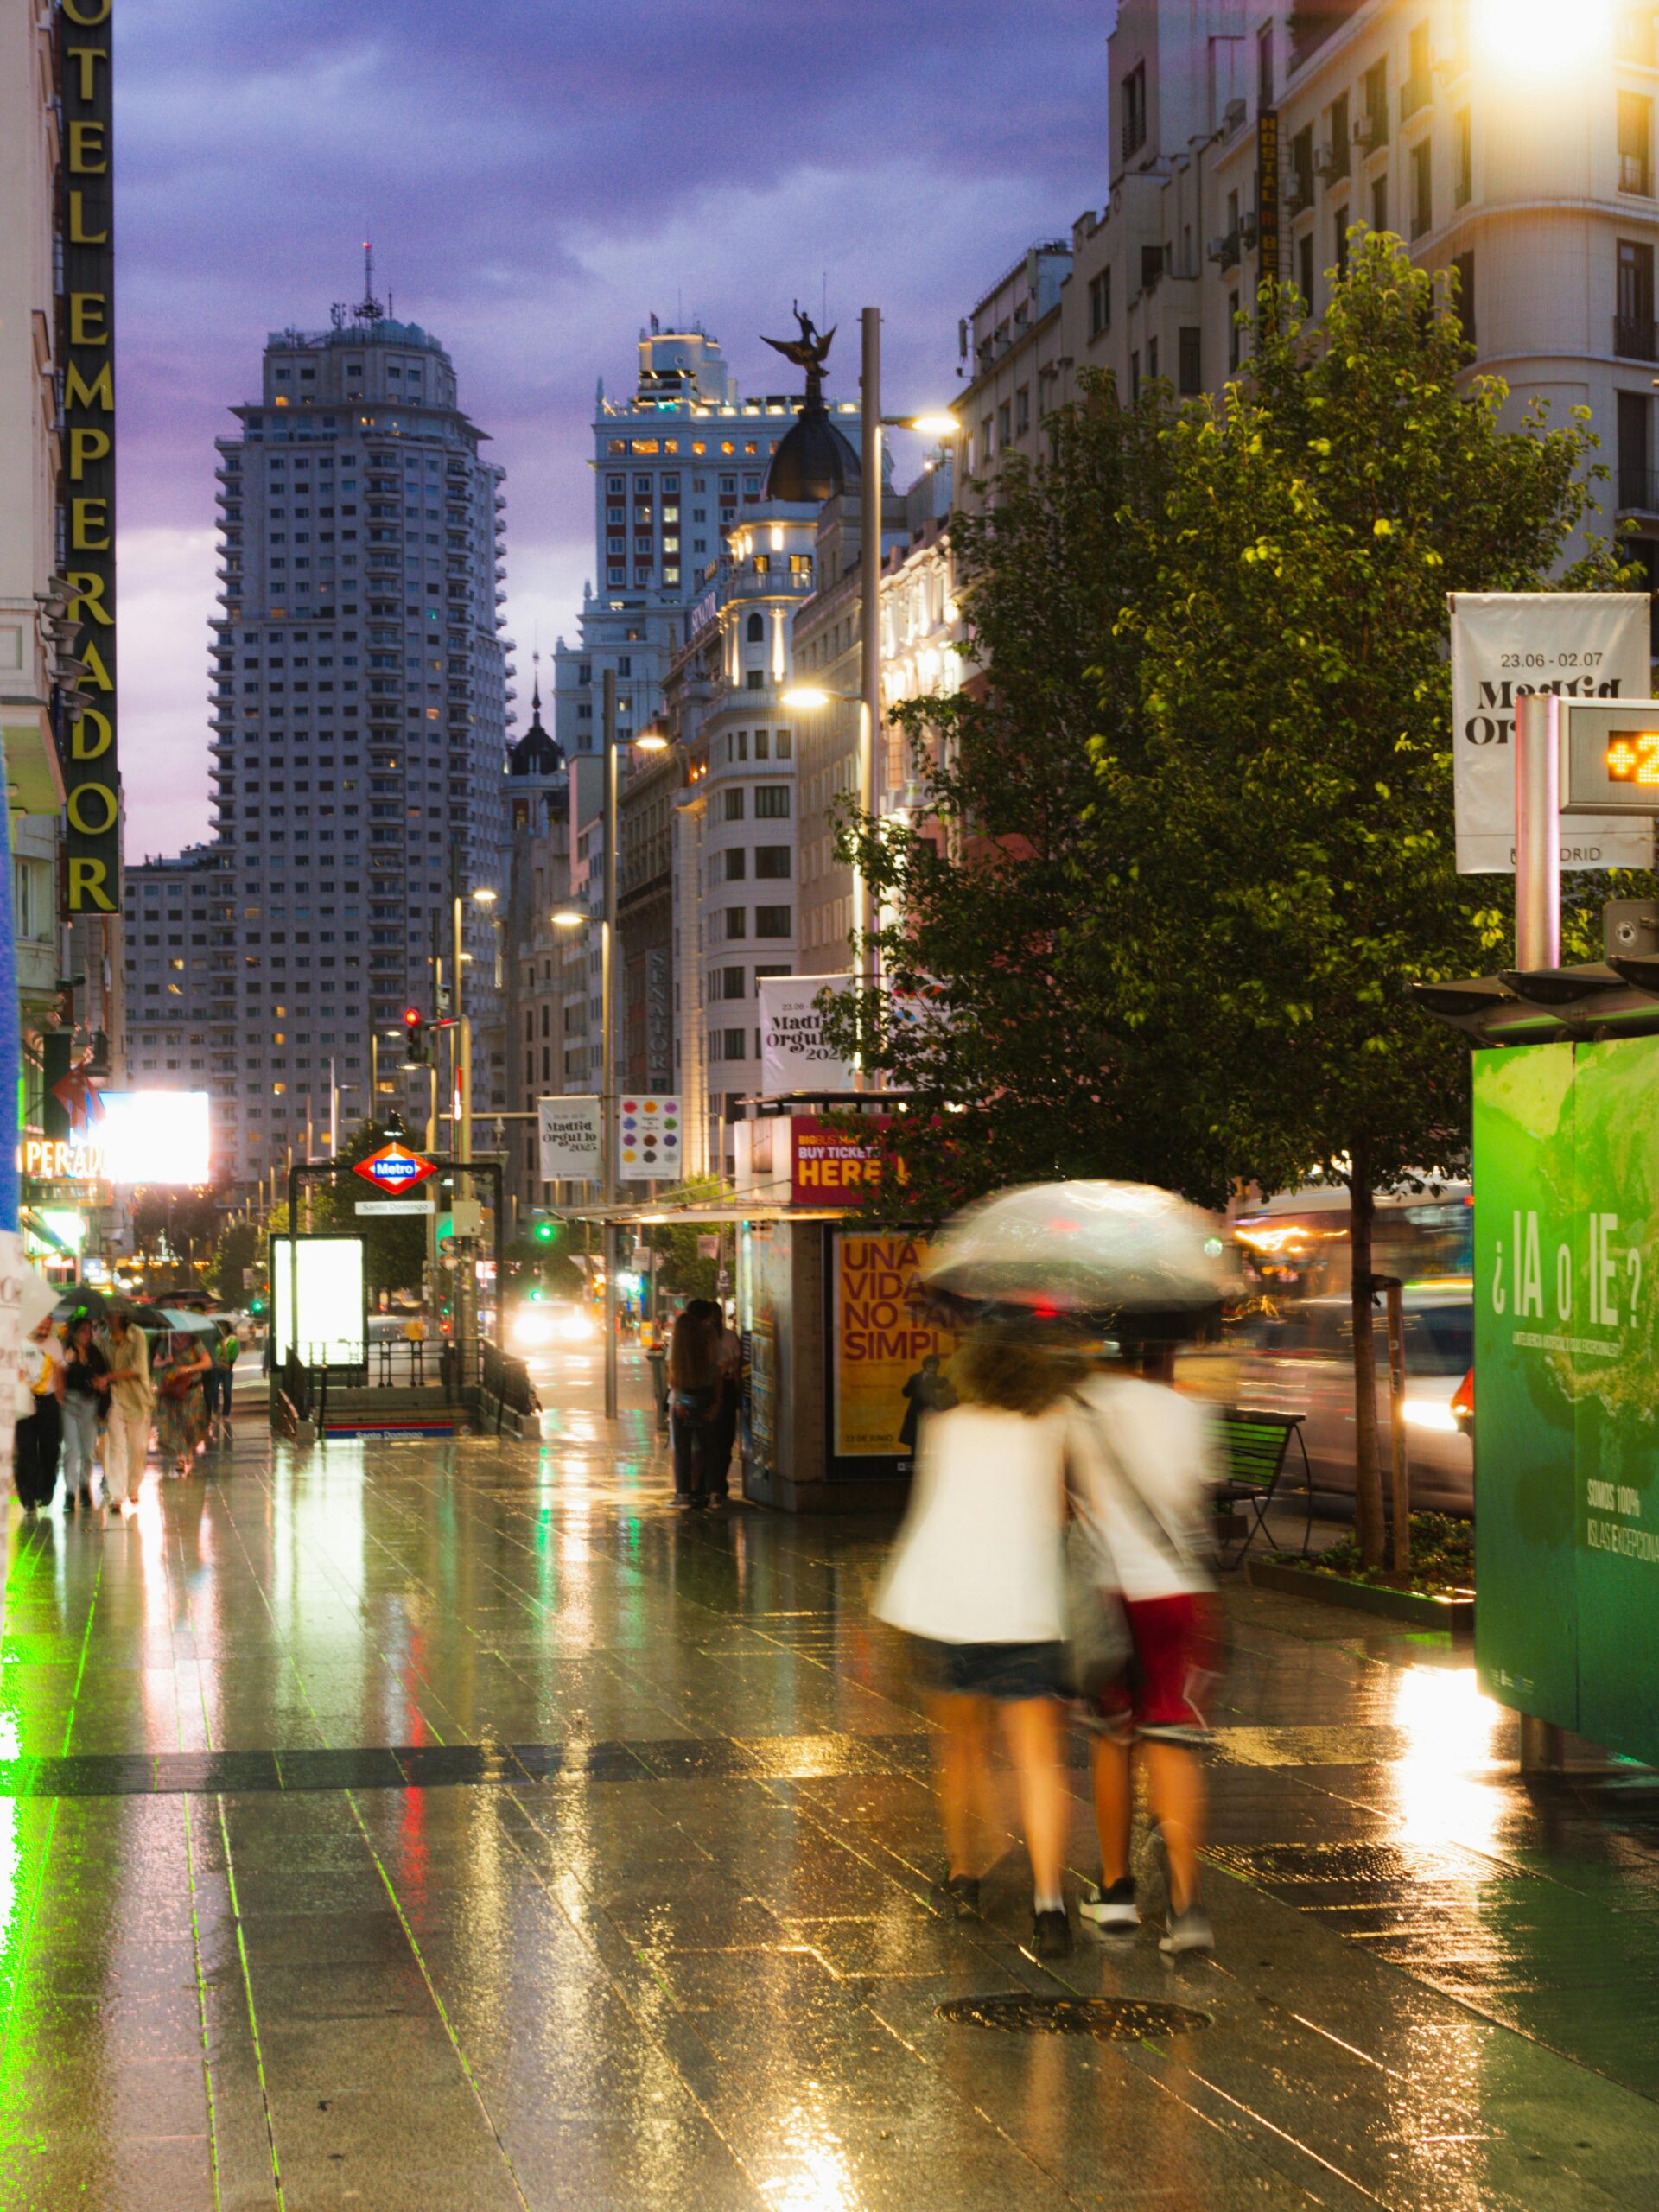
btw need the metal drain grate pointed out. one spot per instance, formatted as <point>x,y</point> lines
<point>1109,2020</point>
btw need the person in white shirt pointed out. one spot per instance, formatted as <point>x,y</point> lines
<point>976,1578</point>
<point>1143,1468</point>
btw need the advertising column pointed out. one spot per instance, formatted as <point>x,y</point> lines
<point>92,803</point>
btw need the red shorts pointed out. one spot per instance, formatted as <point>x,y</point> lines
<point>1165,1692</point>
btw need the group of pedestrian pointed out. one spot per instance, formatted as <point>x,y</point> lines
<point>703,1374</point>
<point>90,1395</point>
<point>1054,1558</point>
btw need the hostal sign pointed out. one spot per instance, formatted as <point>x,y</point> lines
<point>91,779</point>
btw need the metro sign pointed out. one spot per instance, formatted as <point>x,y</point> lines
<point>394,1168</point>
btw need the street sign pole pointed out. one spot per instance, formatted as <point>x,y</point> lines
<point>1538,830</point>
<point>608,1041</point>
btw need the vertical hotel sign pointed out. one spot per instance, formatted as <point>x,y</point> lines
<point>1267,196</point>
<point>91,780</point>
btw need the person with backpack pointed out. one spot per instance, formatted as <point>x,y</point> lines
<point>217,1383</point>
<point>1143,1460</point>
<point>694,1392</point>
<point>976,1578</point>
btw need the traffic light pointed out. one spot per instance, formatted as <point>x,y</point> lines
<point>546,1232</point>
<point>415,1045</point>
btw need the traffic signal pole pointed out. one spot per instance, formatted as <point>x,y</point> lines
<point>607,1043</point>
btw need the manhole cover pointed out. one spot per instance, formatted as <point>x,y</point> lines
<point>1111,2019</point>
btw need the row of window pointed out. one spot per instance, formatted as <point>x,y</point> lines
<point>769,921</point>
<point>771,803</point>
<point>771,861</point>
<point>728,983</point>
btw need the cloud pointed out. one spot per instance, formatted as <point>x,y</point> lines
<point>538,175</point>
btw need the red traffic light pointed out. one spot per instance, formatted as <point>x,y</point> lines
<point>411,1017</point>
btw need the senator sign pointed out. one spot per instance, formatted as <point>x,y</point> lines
<point>91,781</point>
<point>394,1169</point>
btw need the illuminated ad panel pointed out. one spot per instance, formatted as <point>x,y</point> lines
<point>333,1322</point>
<point>154,1136</point>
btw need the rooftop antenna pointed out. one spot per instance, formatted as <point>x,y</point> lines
<point>369,310</point>
<point>536,686</point>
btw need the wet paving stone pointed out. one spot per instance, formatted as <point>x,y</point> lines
<point>453,1825</point>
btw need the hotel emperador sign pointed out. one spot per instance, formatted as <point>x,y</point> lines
<point>88,351</point>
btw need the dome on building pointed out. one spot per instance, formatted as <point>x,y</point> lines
<point>813,460</point>
<point>536,754</point>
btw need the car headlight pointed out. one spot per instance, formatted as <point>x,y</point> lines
<point>1423,1413</point>
<point>532,1329</point>
<point>575,1328</point>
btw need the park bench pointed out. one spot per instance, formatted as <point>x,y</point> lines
<point>1256,1444</point>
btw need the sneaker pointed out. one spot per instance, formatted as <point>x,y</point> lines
<point>1187,1931</point>
<point>962,1891</point>
<point>682,1504</point>
<point>1114,1910</point>
<point>717,1503</point>
<point>69,1501</point>
<point>1051,1934</point>
<point>87,1500</point>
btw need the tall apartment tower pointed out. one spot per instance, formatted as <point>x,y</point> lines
<point>675,465</point>
<point>359,719</point>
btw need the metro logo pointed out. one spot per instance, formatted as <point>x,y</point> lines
<point>394,1168</point>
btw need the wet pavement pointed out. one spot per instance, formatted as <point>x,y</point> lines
<point>407,1826</point>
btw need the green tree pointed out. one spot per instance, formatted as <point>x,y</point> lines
<point>1290,808</point>
<point>678,1265</point>
<point>239,1252</point>
<point>1024,1074</point>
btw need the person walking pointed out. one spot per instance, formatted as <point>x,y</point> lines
<point>722,1430</point>
<point>694,1400</point>
<point>85,1402</point>
<point>1144,1466</point>
<point>181,1405</point>
<point>40,1403</point>
<point>976,1578</point>
<point>223,1355</point>
<point>132,1401</point>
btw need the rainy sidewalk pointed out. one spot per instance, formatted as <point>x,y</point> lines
<point>407,1825</point>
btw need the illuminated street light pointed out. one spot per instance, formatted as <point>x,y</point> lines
<point>483,895</point>
<point>570,918</point>
<point>650,740</point>
<point>804,698</point>
<point>931,426</point>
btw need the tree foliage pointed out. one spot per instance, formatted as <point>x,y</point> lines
<point>1197,806</point>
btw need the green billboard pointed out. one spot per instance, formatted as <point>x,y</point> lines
<point>1566,1385</point>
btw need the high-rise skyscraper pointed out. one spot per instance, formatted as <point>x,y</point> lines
<point>359,719</point>
<point>674,466</point>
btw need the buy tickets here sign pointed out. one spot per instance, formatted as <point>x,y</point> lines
<point>826,1168</point>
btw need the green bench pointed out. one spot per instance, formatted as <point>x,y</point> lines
<point>1256,1445</point>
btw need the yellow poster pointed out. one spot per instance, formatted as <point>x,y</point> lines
<point>889,1356</point>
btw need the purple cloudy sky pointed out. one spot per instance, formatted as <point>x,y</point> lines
<point>537,176</point>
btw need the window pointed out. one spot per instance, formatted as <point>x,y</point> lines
<point>1152,267</point>
<point>772,921</point>
<point>1134,375</point>
<point>732,1044</point>
<point>1340,222</point>
<point>771,803</point>
<point>1462,158</point>
<point>1133,96</point>
<point>735,805</point>
<point>737,922</point>
<point>987,443</point>
<point>737,864</point>
<point>1339,157</point>
<point>755,680</point>
<point>1418,90</point>
<point>1005,423</point>
<point>1374,97</point>
<point>1635,451</point>
<point>1633,330</point>
<point>756,630</point>
<point>1422,187</point>
<point>772,861</point>
<point>1234,334</point>
<point>1635,144</point>
<point>1100,304</point>
<point>1189,358</point>
<point>726,983</point>
<point>1301,168</point>
<point>1305,268</point>
<point>1463,264</point>
<point>1022,411</point>
<point>1380,204</point>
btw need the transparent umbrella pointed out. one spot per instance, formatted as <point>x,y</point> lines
<point>1085,1248</point>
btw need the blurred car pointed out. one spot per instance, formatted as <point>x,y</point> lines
<point>543,1323</point>
<point>1300,1360</point>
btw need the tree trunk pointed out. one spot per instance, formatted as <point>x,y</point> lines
<point>1367,1478</point>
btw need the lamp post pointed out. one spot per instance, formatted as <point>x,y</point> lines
<point>572,916</point>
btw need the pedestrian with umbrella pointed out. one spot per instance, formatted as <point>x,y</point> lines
<point>1140,1465</point>
<point>85,1402</point>
<point>180,1403</point>
<point>132,1401</point>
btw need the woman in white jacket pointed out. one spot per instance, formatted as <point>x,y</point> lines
<point>976,1578</point>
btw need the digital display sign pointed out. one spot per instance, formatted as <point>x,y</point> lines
<point>1633,757</point>
<point>1610,756</point>
<point>328,1286</point>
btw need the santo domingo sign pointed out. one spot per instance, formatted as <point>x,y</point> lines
<point>394,1169</point>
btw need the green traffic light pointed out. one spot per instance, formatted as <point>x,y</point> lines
<point>546,1231</point>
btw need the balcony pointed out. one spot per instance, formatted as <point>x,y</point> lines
<point>1636,176</point>
<point>1636,338</point>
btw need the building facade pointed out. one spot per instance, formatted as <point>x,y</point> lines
<point>359,716</point>
<point>1418,116</point>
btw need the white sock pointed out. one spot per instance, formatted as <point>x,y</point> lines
<point>1050,1904</point>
